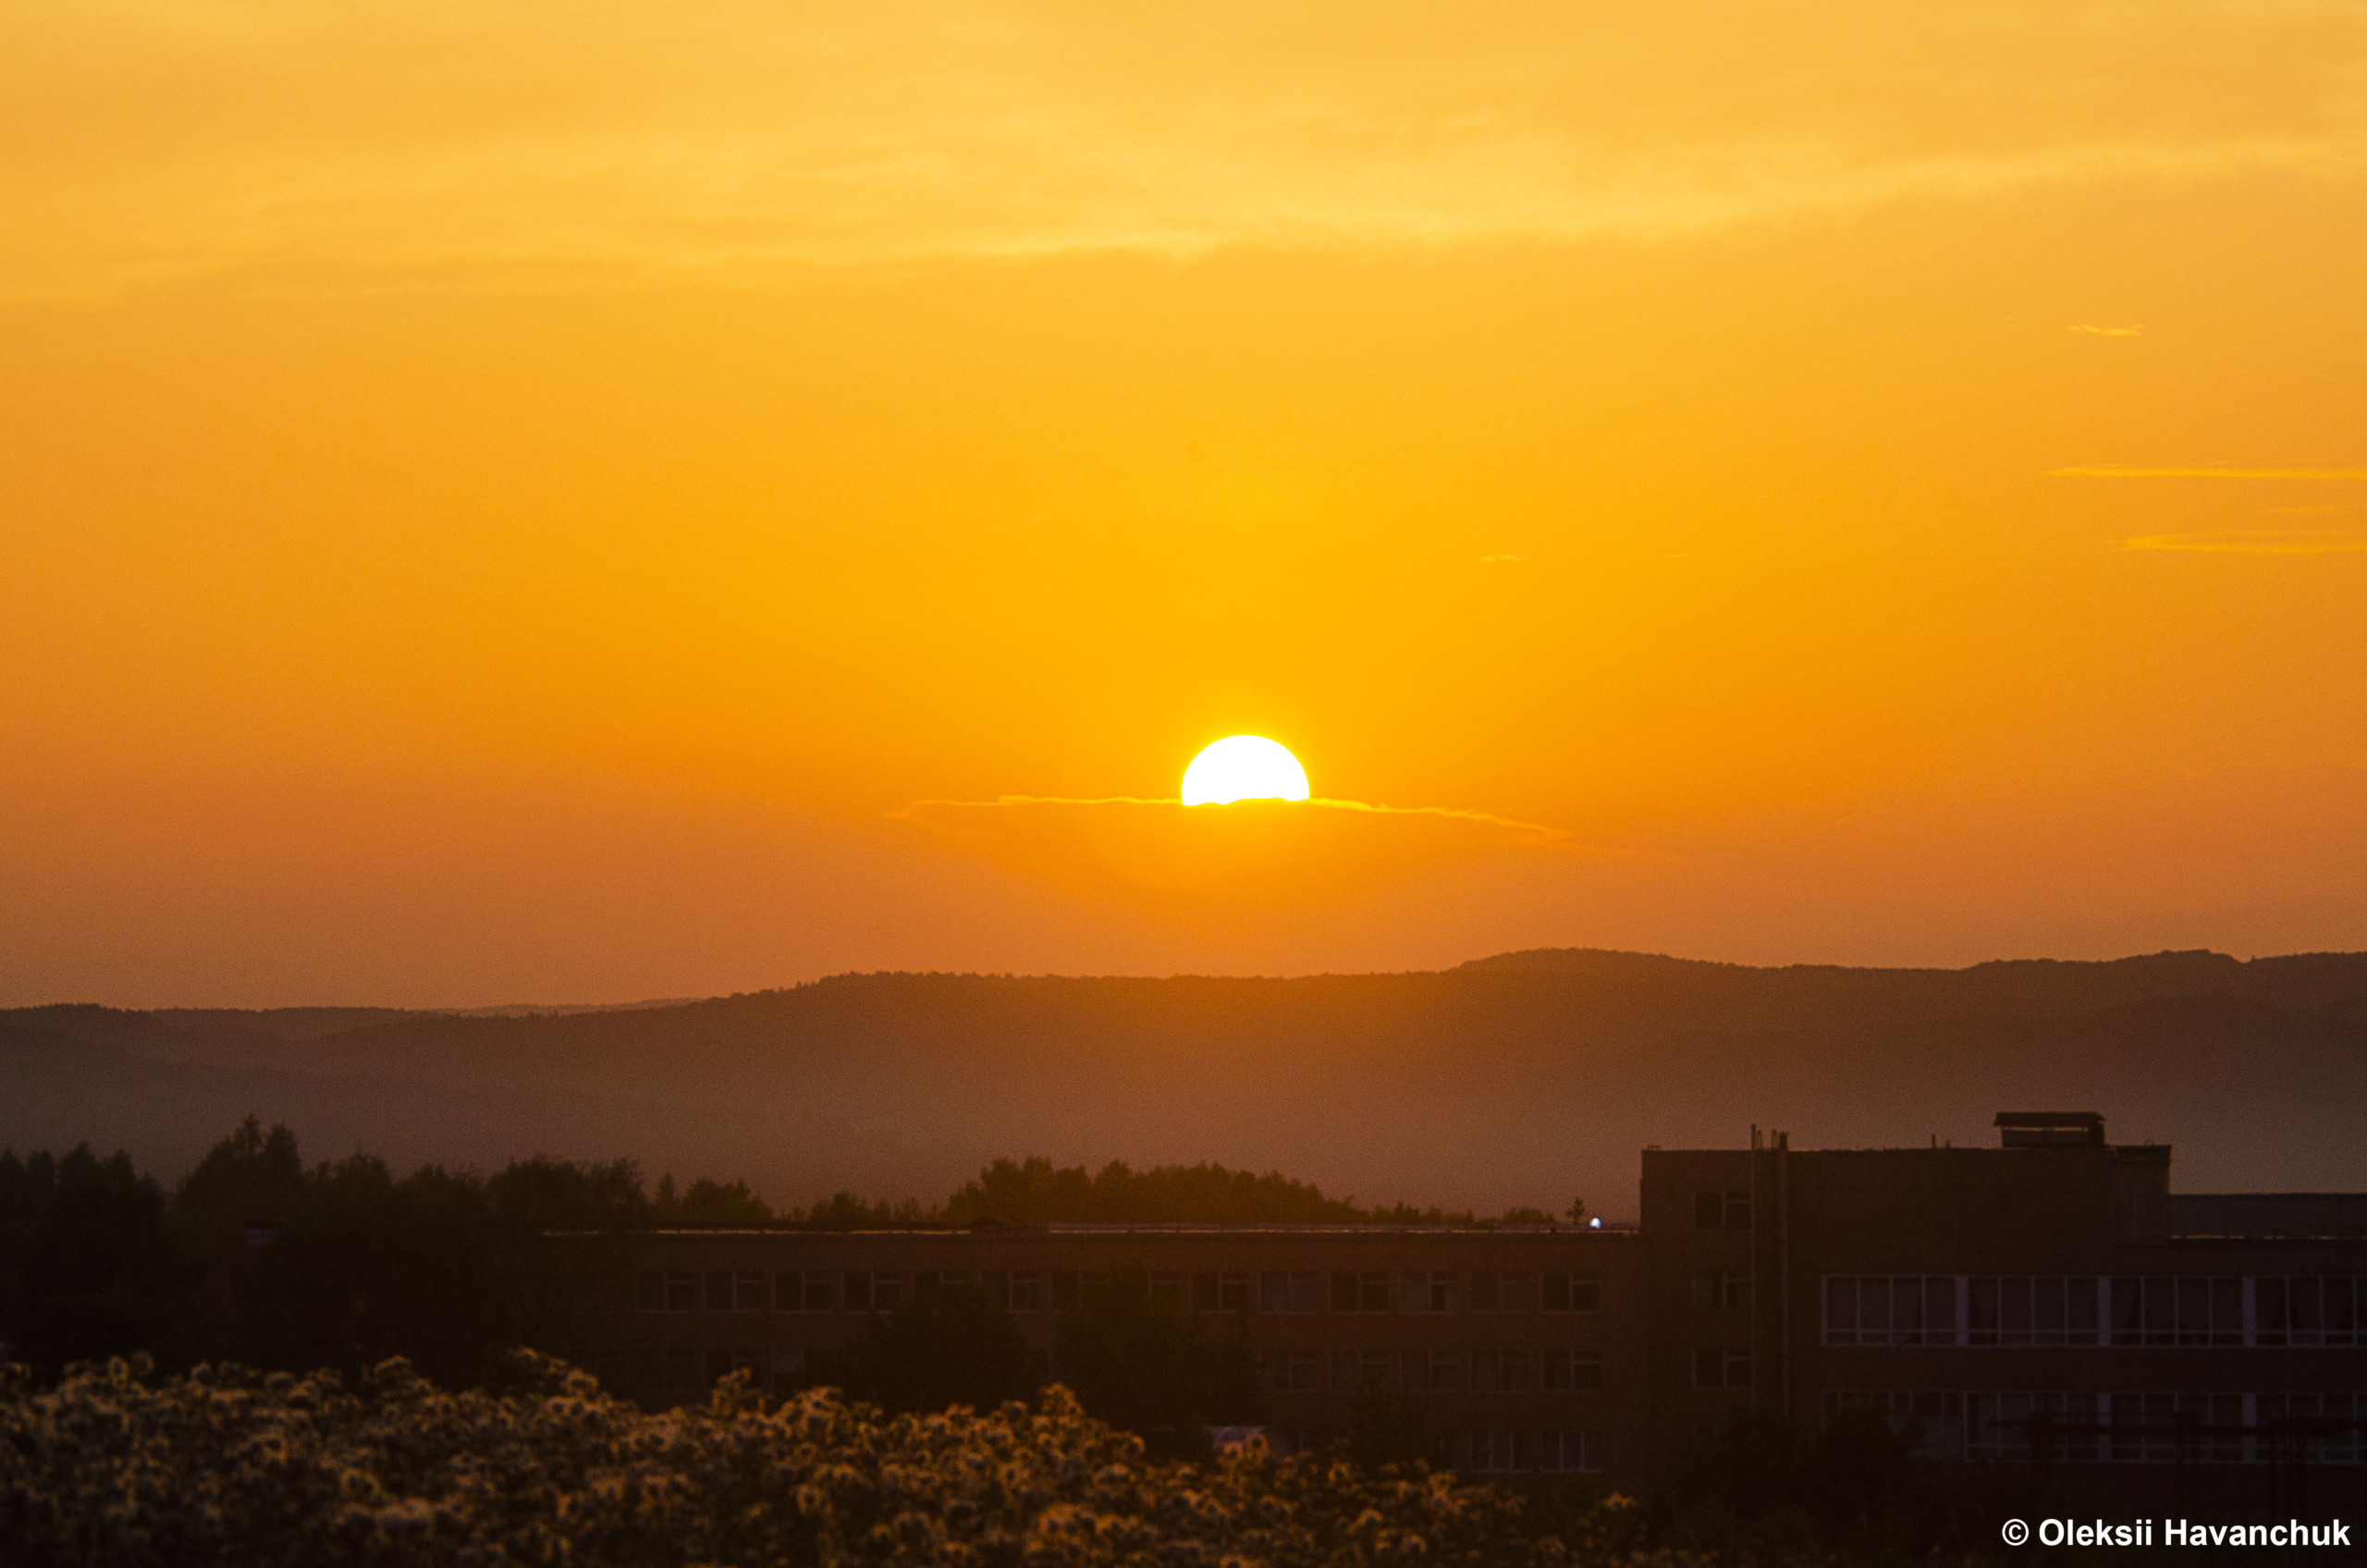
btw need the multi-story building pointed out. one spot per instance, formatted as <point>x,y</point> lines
<point>1509,1336</point>
<point>2048,1300</point>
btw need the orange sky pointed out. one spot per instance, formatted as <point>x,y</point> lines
<point>511,503</point>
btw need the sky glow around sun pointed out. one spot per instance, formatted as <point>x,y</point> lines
<point>772,495</point>
<point>1244,768</point>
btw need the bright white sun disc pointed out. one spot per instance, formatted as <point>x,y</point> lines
<point>1242,768</point>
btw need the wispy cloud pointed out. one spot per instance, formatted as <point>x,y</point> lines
<point>2110,331</point>
<point>2258,542</point>
<point>2205,473</point>
<point>738,139</point>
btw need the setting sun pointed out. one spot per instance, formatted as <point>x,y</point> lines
<point>1244,768</point>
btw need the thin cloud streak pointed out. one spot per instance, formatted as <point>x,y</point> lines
<point>2108,473</point>
<point>2257,542</point>
<point>1534,832</point>
<point>2110,331</point>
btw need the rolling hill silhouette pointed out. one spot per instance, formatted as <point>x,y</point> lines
<point>1525,1078</point>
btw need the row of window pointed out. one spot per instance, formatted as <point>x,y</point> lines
<point>1501,1452</point>
<point>1348,1371</point>
<point>2308,1312</point>
<point>1271,1291</point>
<point>2126,1428</point>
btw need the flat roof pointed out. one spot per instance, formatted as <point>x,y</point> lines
<point>1023,1231</point>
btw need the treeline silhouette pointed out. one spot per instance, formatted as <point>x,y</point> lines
<point>258,1258</point>
<point>1515,1080</point>
<point>1035,1189</point>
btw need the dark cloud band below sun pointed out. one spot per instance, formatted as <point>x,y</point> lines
<point>1527,832</point>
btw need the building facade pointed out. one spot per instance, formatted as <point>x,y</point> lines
<point>2048,1300</point>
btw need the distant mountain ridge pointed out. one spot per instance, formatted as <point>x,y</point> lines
<point>1524,1077</point>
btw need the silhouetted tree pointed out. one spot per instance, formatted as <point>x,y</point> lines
<point>1152,1369</point>
<point>953,1346</point>
<point>86,1268</point>
<point>249,1179</point>
<point>708,1202</point>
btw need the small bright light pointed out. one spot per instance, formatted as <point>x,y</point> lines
<point>1242,768</point>
<point>1594,1224</point>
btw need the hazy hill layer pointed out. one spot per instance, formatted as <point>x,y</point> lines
<point>1525,1078</point>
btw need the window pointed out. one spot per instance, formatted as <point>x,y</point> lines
<point>1727,1210</point>
<point>1892,1309</point>
<point>1027,1292</point>
<point>2001,1424</point>
<point>1425,1291</point>
<point>1716,1290</point>
<point>869,1293</point>
<point>1167,1290</point>
<point>1722,1368</point>
<point>2306,1313</point>
<point>718,1292</point>
<point>2189,1310</point>
<point>1573,1292</point>
<point>788,1369</point>
<point>1504,1293</point>
<point>2157,1427</point>
<point>1359,1372</point>
<point>2127,1311</point>
<point>1440,1370</point>
<point>1219,1292</point>
<point>1282,1370</point>
<point>1511,1371</point>
<point>1573,1370</point>
<point>651,1294</point>
<point>2346,1443</point>
<point>2039,1310</point>
<point>1498,1451</point>
<point>1360,1293</point>
<point>806,1292</point>
<point>930,1286</point>
<point>1571,1453</point>
<point>1289,1293</point>
<point>1418,1291</point>
<point>748,1292</point>
<point>681,1292</point>
<point>1934,1417</point>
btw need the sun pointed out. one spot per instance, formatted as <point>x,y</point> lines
<point>1242,768</point>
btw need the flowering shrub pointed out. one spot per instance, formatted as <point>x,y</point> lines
<point>117,1468</point>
